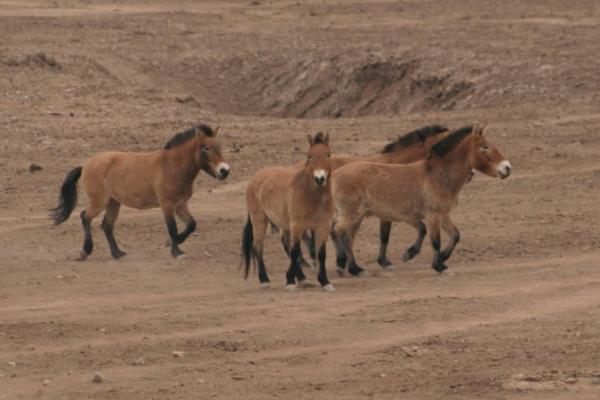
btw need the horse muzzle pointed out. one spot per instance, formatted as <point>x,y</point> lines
<point>223,171</point>
<point>320,177</point>
<point>504,169</point>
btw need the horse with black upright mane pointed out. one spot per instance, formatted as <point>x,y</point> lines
<point>163,178</point>
<point>425,190</point>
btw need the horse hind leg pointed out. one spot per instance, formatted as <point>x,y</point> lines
<point>94,208</point>
<point>108,224</point>
<point>345,234</point>
<point>415,249</point>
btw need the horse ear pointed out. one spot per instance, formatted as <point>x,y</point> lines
<point>216,131</point>
<point>311,140</point>
<point>478,130</point>
<point>326,138</point>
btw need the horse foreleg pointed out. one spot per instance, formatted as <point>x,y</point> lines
<point>285,240</point>
<point>294,269</point>
<point>320,237</point>
<point>183,212</point>
<point>433,225</point>
<point>168,212</point>
<point>108,223</point>
<point>452,231</point>
<point>384,238</point>
<point>309,240</point>
<point>415,249</point>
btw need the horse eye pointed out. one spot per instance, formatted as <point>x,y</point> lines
<point>485,147</point>
<point>328,155</point>
<point>205,148</point>
<point>310,157</point>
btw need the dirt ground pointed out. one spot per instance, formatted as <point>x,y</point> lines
<point>518,317</point>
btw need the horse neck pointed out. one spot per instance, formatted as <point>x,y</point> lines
<point>453,170</point>
<point>182,161</point>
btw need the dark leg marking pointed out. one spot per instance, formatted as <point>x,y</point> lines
<point>172,228</point>
<point>415,249</point>
<point>110,237</point>
<point>437,263</point>
<point>262,270</point>
<point>88,244</point>
<point>322,277</point>
<point>353,268</point>
<point>384,238</point>
<point>189,228</point>
<point>292,271</point>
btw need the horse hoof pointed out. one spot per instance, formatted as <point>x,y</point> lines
<point>340,271</point>
<point>304,284</point>
<point>265,285</point>
<point>390,267</point>
<point>440,267</point>
<point>291,288</point>
<point>328,288</point>
<point>118,255</point>
<point>181,256</point>
<point>82,256</point>
<point>356,271</point>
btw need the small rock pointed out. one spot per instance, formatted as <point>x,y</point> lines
<point>12,364</point>
<point>571,381</point>
<point>178,354</point>
<point>33,167</point>
<point>97,378</point>
<point>140,361</point>
<point>46,382</point>
<point>382,375</point>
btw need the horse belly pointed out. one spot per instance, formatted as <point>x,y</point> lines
<point>131,191</point>
<point>390,206</point>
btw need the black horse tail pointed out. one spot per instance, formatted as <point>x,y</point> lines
<point>68,197</point>
<point>247,242</point>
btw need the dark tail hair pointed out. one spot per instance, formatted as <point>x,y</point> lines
<point>247,241</point>
<point>68,197</point>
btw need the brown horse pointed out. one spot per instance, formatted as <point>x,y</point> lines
<point>162,178</point>
<point>295,201</point>
<point>406,149</point>
<point>425,190</point>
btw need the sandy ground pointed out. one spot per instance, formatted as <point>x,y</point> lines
<point>518,318</point>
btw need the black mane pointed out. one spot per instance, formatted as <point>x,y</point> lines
<point>441,148</point>
<point>184,136</point>
<point>418,135</point>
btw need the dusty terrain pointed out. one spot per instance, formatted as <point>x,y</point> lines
<point>518,318</point>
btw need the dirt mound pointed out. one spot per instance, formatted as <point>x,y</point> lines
<point>338,87</point>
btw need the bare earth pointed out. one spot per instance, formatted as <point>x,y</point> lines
<point>518,317</point>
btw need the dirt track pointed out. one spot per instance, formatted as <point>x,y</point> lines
<point>519,317</point>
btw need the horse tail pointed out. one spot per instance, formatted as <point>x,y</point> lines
<point>68,197</point>
<point>247,242</point>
